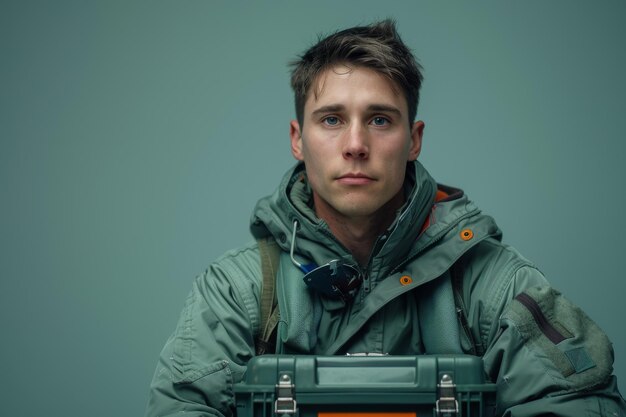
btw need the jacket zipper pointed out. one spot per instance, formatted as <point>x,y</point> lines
<point>542,322</point>
<point>365,282</point>
<point>466,330</point>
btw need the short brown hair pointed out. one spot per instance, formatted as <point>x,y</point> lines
<point>377,46</point>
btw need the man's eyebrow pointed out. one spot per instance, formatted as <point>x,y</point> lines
<point>384,108</point>
<point>331,108</point>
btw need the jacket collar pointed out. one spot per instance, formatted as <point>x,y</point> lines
<point>292,202</point>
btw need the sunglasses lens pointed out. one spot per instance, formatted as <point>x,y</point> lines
<point>334,279</point>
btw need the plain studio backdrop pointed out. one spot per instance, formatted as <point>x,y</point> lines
<point>135,138</point>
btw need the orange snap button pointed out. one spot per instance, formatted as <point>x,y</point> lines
<point>405,280</point>
<point>467,234</point>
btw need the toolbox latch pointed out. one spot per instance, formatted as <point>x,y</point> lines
<point>446,405</point>
<point>285,403</point>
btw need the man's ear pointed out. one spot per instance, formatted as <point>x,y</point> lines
<point>296,140</point>
<point>417,131</point>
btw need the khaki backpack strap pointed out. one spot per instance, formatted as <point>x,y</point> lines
<point>269,252</point>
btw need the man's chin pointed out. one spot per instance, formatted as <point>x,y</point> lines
<point>357,209</point>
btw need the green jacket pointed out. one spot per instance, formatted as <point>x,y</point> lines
<point>438,281</point>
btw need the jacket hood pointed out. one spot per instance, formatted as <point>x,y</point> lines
<point>291,206</point>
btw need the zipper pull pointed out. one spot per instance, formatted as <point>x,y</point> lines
<point>366,282</point>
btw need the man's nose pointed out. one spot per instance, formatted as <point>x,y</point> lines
<point>356,143</point>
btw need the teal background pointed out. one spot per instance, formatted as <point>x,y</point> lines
<point>136,137</point>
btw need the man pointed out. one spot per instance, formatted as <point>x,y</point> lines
<point>403,266</point>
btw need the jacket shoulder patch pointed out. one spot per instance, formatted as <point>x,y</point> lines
<point>561,332</point>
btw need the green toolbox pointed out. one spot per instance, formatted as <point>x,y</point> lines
<point>365,386</point>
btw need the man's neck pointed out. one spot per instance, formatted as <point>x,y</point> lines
<point>359,234</point>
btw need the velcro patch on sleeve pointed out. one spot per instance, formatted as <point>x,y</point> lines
<point>562,333</point>
<point>580,359</point>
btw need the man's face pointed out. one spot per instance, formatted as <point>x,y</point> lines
<point>355,142</point>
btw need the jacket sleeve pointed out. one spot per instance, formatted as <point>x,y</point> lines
<point>546,356</point>
<point>212,342</point>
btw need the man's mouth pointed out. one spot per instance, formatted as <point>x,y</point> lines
<point>355,178</point>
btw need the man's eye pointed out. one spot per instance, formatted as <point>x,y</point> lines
<point>380,121</point>
<point>331,120</point>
